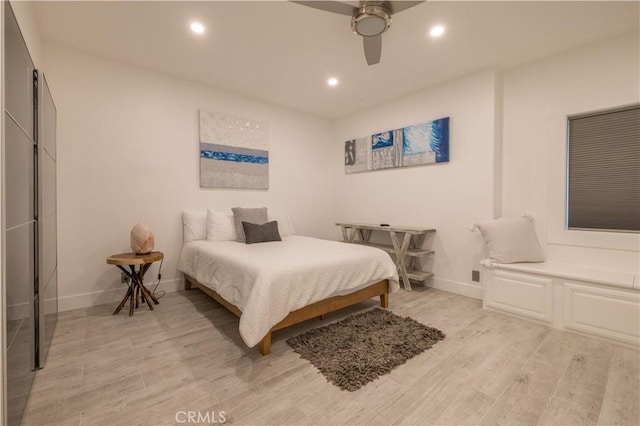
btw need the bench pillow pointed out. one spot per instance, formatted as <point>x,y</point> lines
<point>511,240</point>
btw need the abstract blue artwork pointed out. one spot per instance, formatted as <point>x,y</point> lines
<point>419,144</point>
<point>382,140</point>
<point>384,150</point>
<point>426,143</point>
<point>233,152</point>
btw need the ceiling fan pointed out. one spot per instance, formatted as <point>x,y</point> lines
<point>369,19</point>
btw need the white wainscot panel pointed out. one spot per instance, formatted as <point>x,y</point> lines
<point>520,294</point>
<point>605,312</point>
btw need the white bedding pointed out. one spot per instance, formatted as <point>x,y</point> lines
<point>266,281</point>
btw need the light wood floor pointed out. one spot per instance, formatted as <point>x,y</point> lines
<point>188,356</point>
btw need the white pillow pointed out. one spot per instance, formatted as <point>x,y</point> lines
<point>511,240</point>
<point>194,226</point>
<point>284,222</point>
<point>220,226</point>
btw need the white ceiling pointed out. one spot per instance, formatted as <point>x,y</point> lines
<point>283,53</point>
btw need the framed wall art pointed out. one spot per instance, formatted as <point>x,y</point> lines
<point>233,152</point>
<point>419,144</point>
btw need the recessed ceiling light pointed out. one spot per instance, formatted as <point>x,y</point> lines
<point>197,27</point>
<point>436,31</point>
<point>332,81</point>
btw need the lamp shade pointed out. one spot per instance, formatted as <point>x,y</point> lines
<point>142,240</point>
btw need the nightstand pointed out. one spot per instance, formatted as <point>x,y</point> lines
<point>136,287</point>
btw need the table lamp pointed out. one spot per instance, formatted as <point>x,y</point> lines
<point>142,240</point>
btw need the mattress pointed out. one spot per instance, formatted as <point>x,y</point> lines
<point>267,281</point>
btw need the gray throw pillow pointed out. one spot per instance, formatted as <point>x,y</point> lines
<point>240,214</point>
<point>261,233</point>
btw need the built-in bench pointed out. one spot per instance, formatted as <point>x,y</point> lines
<point>598,302</point>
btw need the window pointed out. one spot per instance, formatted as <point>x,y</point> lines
<point>604,171</point>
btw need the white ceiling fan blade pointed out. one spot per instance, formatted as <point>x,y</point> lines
<point>372,49</point>
<point>329,6</point>
<point>399,6</point>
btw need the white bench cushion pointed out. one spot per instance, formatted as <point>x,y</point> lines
<point>626,279</point>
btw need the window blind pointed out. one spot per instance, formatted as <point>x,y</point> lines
<point>604,171</point>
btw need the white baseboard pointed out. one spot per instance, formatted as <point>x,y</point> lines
<point>456,287</point>
<point>75,301</point>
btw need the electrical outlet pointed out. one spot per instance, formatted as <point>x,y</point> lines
<point>475,276</point>
<point>124,279</point>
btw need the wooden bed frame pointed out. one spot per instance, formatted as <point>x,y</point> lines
<point>311,311</point>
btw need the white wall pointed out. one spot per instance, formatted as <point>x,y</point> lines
<point>151,154</point>
<point>128,151</point>
<point>450,196</point>
<point>538,98</point>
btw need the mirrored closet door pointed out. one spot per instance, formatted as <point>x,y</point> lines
<point>30,218</point>
<point>20,212</point>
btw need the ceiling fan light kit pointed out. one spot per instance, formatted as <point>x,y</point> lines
<point>369,20</point>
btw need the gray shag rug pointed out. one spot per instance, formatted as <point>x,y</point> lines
<point>362,347</point>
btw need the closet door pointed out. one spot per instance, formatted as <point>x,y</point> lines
<point>47,219</point>
<point>19,93</point>
<point>20,217</point>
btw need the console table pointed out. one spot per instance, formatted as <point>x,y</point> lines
<point>406,247</point>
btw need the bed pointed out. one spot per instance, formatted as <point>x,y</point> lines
<point>277,284</point>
